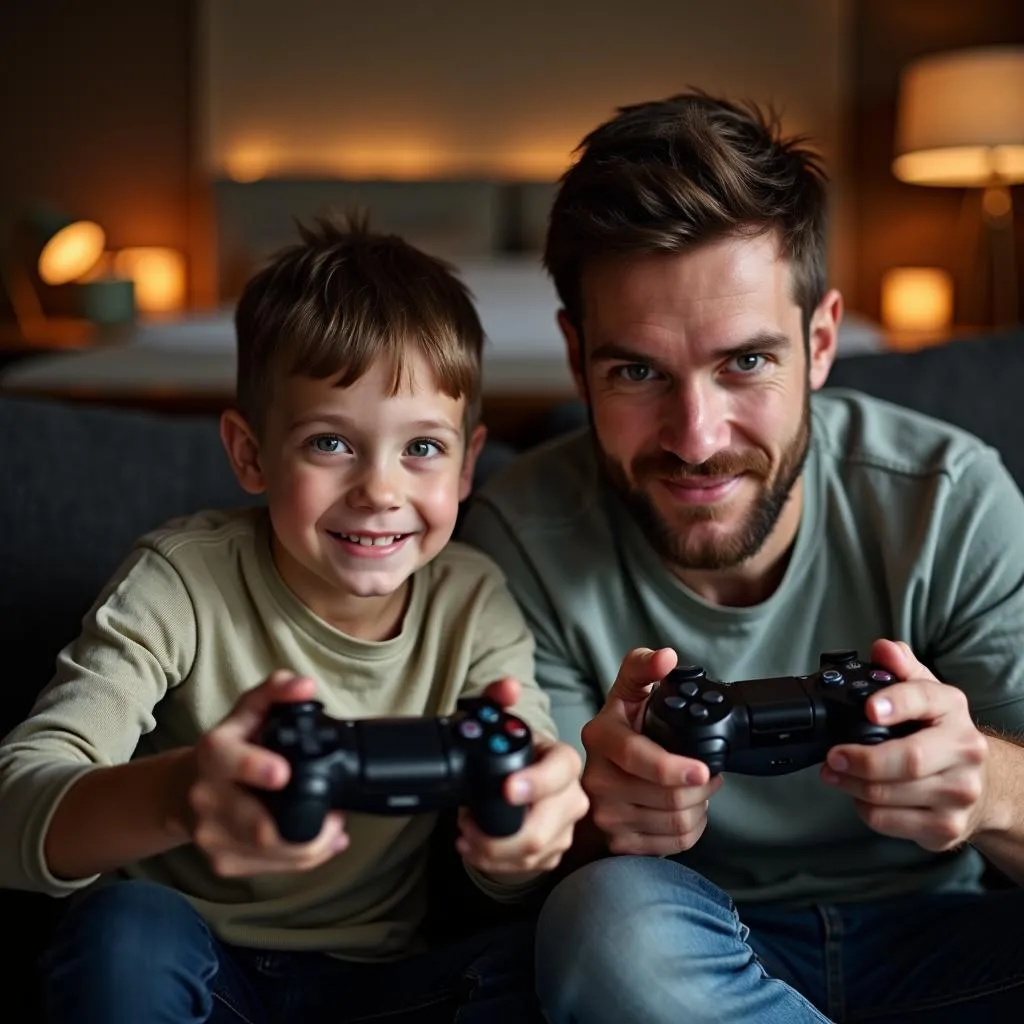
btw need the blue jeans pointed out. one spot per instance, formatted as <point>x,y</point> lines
<point>138,953</point>
<point>646,939</point>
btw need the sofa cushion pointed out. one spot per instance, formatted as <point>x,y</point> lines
<point>80,484</point>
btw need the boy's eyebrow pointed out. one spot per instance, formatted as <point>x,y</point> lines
<point>763,341</point>
<point>344,422</point>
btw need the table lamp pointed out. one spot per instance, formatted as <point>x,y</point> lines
<point>58,249</point>
<point>960,122</point>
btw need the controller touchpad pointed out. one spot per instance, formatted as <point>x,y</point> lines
<point>397,752</point>
<point>779,710</point>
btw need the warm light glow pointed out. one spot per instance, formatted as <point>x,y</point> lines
<point>408,160</point>
<point>159,277</point>
<point>72,252</point>
<point>917,299</point>
<point>960,120</point>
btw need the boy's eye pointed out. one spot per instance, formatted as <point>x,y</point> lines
<point>328,444</point>
<point>423,448</point>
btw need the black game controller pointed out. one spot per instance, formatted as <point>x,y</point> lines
<point>768,726</point>
<point>395,766</point>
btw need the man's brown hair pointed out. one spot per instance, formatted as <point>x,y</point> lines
<point>667,175</point>
<point>343,297</point>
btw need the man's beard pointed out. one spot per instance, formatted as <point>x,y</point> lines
<point>672,542</point>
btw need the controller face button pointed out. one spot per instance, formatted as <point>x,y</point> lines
<point>675,703</point>
<point>689,672</point>
<point>471,729</point>
<point>698,711</point>
<point>489,715</point>
<point>499,745</point>
<point>515,729</point>
<point>830,677</point>
<point>689,689</point>
<point>287,736</point>
<point>713,697</point>
<point>881,676</point>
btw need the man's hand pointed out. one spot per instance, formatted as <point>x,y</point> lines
<point>231,825</point>
<point>644,799</point>
<point>929,787</point>
<point>556,801</point>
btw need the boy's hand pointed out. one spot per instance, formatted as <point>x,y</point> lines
<point>550,787</point>
<point>230,824</point>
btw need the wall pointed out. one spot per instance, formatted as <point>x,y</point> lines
<point>97,118</point>
<point>499,89</point>
<point>899,224</point>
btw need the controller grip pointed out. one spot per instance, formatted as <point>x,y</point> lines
<point>299,809</point>
<point>496,818</point>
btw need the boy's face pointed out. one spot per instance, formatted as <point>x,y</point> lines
<point>363,487</point>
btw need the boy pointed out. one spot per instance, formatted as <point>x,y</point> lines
<point>357,393</point>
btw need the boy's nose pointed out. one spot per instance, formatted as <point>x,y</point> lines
<point>377,488</point>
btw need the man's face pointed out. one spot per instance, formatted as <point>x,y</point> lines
<point>697,376</point>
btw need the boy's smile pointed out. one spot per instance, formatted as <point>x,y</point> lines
<point>363,487</point>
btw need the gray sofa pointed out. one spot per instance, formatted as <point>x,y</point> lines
<point>79,483</point>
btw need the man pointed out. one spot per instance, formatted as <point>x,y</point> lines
<point>722,511</point>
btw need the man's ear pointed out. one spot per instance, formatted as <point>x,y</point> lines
<point>243,450</point>
<point>574,350</point>
<point>473,448</point>
<point>823,338</point>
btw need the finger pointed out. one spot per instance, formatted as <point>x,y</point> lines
<point>608,787</point>
<point>645,845</point>
<point>931,830</point>
<point>642,758</point>
<point>556,766</point>
<point>957,788</point>
<point>222,754</point>
<point>918,700</point>
<point>547,832</point>
<point>895,656</point>
<point>504,691</point>
<point>640,669</point>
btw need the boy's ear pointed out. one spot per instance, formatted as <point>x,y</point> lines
<point>243,450</point>
<point>473,449</point>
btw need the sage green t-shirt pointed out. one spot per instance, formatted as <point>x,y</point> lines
<point>197,615</point>
<point>911,530</point>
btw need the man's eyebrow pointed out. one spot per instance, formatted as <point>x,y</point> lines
<point>763,341</point>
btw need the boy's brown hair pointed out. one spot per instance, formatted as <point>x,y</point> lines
<point>668,175</point>
<point>342,298</point>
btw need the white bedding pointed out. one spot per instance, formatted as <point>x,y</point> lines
<point>517,306</point>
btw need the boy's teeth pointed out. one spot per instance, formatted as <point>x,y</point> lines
<point>370,542</point>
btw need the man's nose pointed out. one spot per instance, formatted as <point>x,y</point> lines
<point>695,422</point>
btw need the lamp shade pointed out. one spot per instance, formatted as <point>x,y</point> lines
<point>158,274</point>
<point>70,248</point>
<point>960,118</point>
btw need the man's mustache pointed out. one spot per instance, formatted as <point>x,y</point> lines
<point>667,466</point>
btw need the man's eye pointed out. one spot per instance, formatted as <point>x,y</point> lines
<point>749,362</point>
<point>635,373</point>
<point>423,448</point>
<point>328,444</point>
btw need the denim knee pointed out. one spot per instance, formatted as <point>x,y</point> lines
<point>610,933</point>
<point>125,945</point>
